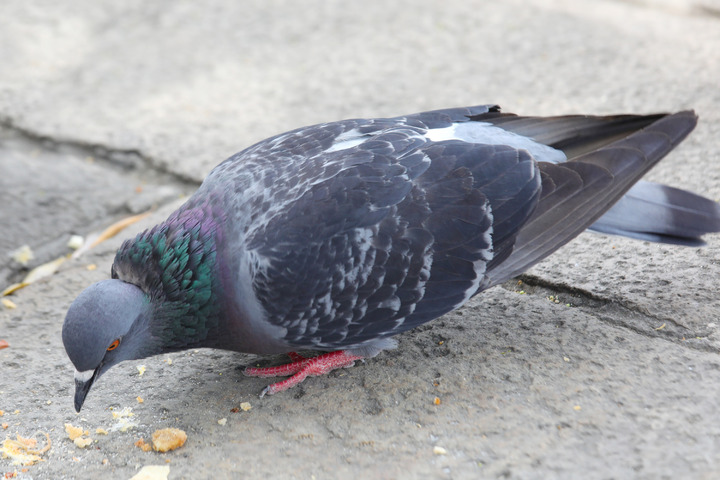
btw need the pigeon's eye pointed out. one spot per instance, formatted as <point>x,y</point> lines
<point>114,345</point>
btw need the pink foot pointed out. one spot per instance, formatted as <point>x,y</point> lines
<point>300,368</point>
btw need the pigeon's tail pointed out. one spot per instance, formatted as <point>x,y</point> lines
<point>658,213</point>
<point>578,192</point>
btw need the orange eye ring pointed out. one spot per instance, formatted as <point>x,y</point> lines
<point>114,345</point>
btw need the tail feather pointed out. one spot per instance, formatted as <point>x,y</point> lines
<point>658,213</point>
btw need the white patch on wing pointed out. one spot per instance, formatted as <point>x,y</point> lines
<point>487,134</point>
<point>346,140</point>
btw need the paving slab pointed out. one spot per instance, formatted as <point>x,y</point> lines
<point>50,191</point>
<point>602,363</point>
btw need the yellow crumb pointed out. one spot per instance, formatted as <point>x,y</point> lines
<point>168,439</point>
<point>142,445</point>
<point>9,304</point>
<point>82,442</point>
<point>73,432</point>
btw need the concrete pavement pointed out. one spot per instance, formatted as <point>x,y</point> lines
<point>108,109</point>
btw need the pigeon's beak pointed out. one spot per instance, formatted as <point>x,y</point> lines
<point>83,382</point>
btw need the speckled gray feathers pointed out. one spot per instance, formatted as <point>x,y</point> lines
<point>357,230</point>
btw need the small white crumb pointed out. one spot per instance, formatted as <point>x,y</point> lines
<point>141,369</point>
<point>152,472</point>
<point>222,421</point>
<point>123,420</point>
<point>439,450</point>
<point>125,412</point>
<point>75,242</point>
<point>22,255</point>
<point>245,406</point>
<point>49,402</point>
<point>567,359</point>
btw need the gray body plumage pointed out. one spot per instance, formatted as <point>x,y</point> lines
<point>341,235</point>
<point>351,232</point>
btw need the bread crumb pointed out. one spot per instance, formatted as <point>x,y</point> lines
<point>439,450</point>
<point>9,304</point>
<point>125,412</point>
<point>23,450</point>
<point>222,421</point>
<point>22,255</point>
<point>167,439</point>
<point>139,399</point>
<point>152,472</point>
<point>75,242</point>
<point>142,445</point>
<point>245,406</point>
<point>73,432</point>
<point>141,369</point>
<point>101,431</point>
<point>123,420</point>
<point>82,442</point>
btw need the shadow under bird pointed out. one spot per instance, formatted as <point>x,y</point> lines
<point>338,236</point>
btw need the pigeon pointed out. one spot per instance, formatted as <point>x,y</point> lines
<point>336,237</point>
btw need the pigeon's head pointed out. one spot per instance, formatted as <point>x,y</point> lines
<point>106,324</point>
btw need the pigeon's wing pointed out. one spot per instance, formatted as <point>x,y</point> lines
<point>411,216</point>
<point>576,201</point>
<point>648,211</point>
<point>398,236</point>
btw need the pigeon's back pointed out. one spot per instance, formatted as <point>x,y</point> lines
<point>354,231</point>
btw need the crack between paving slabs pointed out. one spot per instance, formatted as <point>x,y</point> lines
<point>115,158</point>
<point>620,313</point>
<point>110,155</point>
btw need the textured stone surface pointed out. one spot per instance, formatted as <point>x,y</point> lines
<point>619,379</point>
